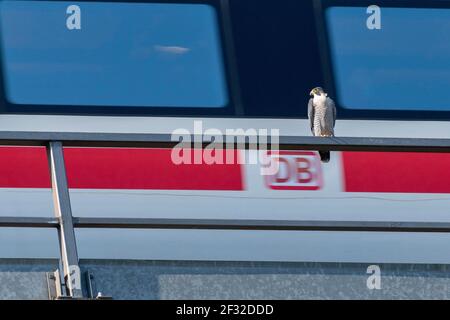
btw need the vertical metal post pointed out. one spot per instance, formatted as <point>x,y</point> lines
<point>63,211</point>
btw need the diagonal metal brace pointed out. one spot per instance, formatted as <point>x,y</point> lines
<point>63,212</point>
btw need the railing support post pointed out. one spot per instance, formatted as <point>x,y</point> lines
<point>63,211</point>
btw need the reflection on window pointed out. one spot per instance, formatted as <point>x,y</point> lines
<point>403,66</point>
<point>115,54</point>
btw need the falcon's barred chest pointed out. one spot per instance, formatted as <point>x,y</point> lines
<point>323,121</point>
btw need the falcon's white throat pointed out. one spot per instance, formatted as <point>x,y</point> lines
<point>319,99</point>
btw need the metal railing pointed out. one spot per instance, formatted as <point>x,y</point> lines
<point>65,223</point>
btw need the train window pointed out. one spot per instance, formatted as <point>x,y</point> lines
<point>403,65</point>
<point>112,54</point>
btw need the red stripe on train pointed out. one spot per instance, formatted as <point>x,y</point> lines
<point>22,167</point>
<point>396,172</point>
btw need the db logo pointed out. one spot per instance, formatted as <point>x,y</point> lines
<point>298,170</point>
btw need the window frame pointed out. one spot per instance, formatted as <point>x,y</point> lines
<point>327,60</point>
<point>229,73</point>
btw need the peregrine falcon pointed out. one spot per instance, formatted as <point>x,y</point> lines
<point>322,117</point>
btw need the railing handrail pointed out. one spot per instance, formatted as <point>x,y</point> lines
<point>163,140</point>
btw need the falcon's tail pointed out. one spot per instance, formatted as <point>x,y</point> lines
<point>325,156</point>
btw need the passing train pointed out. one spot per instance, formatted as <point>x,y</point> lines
<point>149,66</point>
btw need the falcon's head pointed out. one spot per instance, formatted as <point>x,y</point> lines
<point>317,91</point>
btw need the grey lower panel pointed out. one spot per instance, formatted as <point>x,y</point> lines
<point>127,279</point>
<point>25,278</point>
